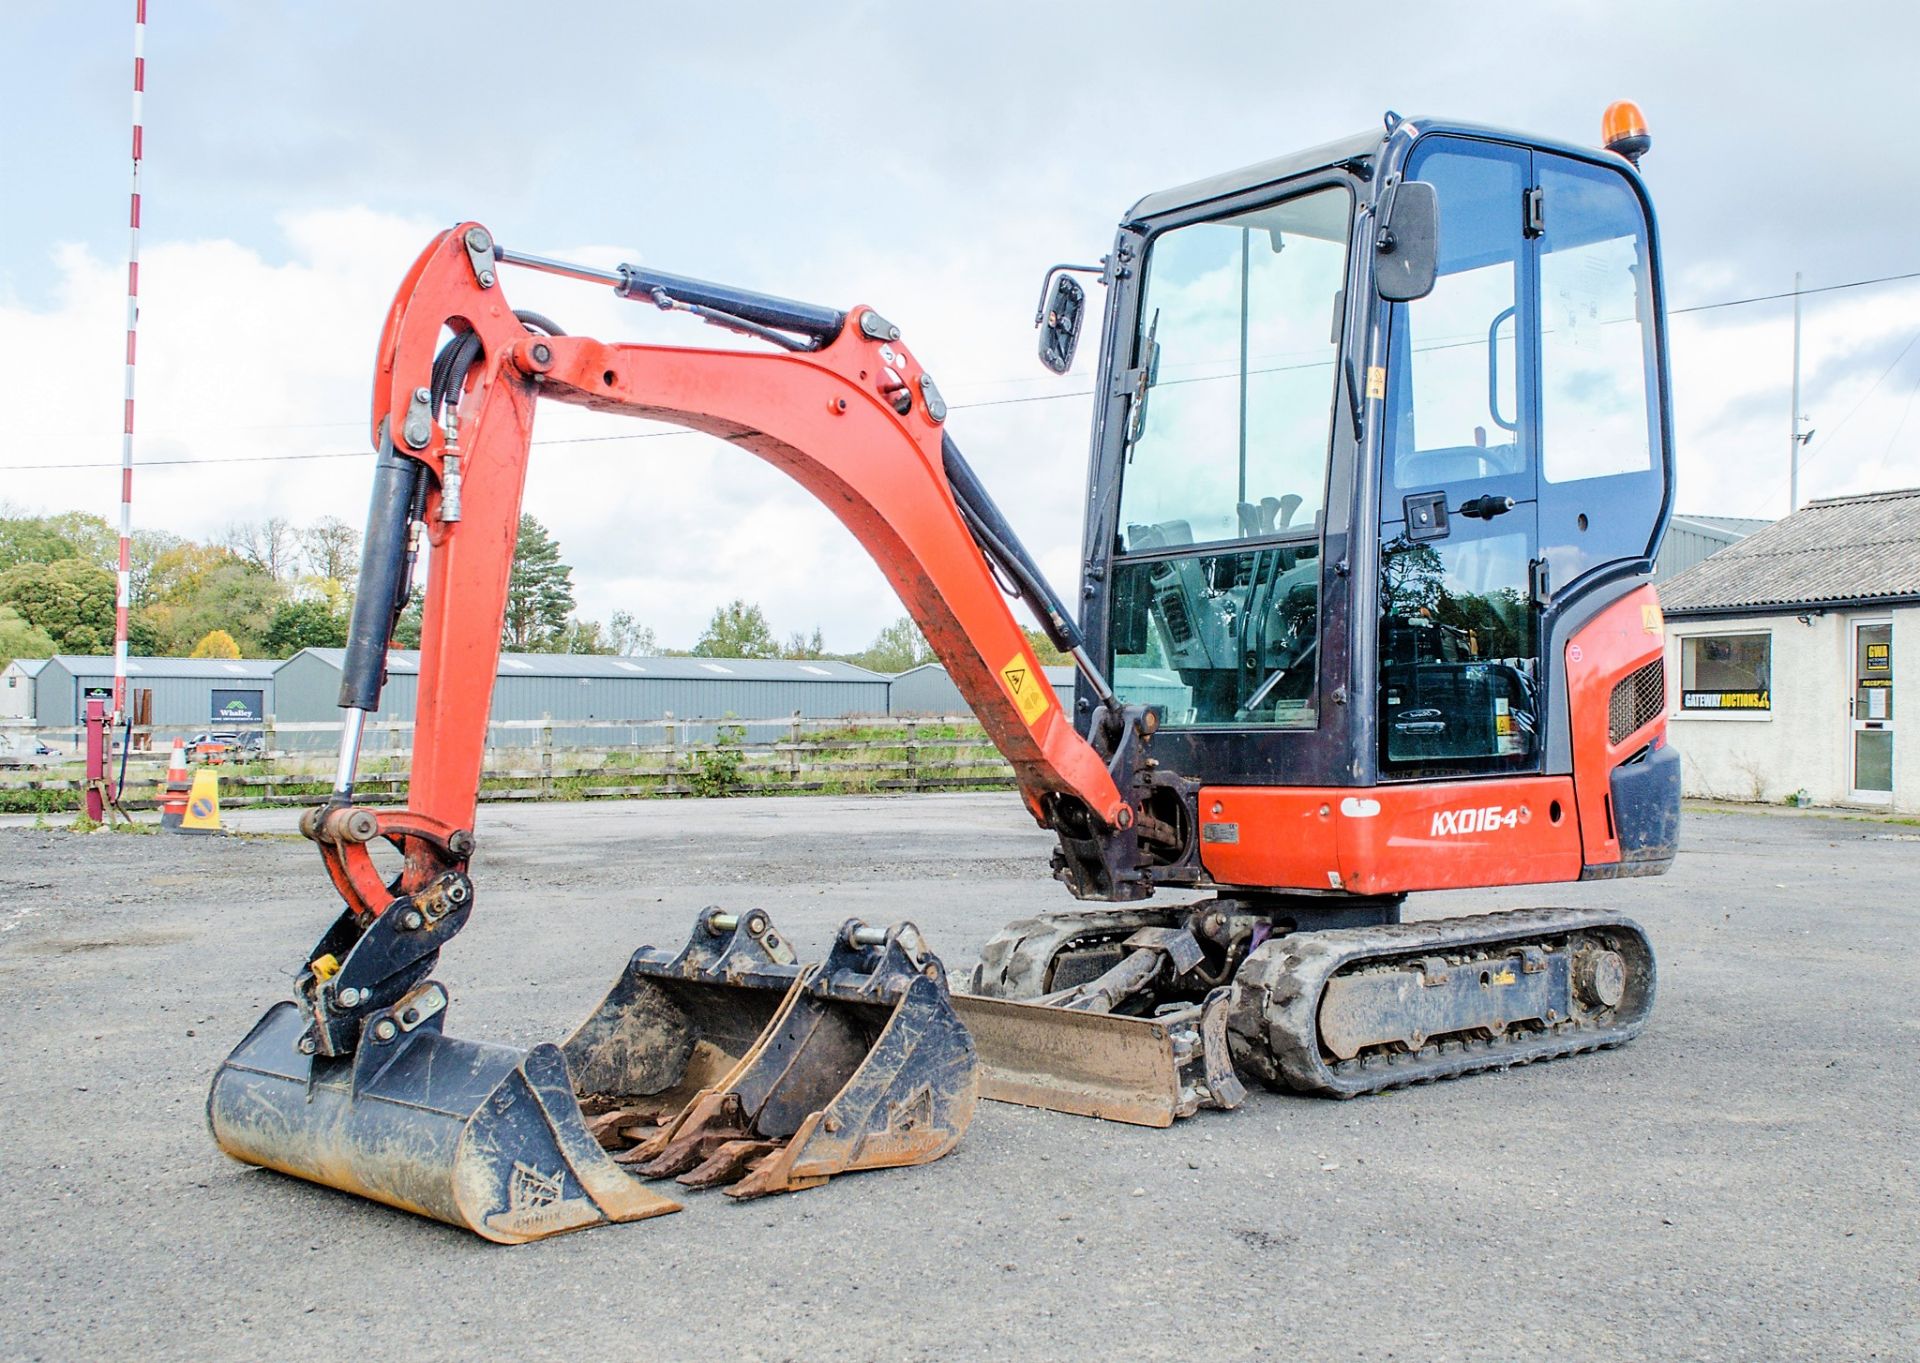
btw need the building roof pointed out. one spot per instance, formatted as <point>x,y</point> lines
<point>1839,551</point>
<point>1732,525</point>
<point>405,662</point>
<point>29,667</point>
<point>101,665</point>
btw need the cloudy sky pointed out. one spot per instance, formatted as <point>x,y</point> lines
<point>930,160</point>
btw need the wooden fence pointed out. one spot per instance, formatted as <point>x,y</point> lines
<point>641,758</point>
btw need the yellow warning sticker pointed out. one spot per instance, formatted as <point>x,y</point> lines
<point>1650,619</point>
<point>1028,686</point>
<point>1376,381</point>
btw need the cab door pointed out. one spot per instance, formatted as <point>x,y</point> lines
<point>1460,563</point>
<point>1524,450</point>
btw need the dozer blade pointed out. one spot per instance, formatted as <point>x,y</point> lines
<point>486,1137</point>
<point>864,1066</point>
<point>1146,1071</point>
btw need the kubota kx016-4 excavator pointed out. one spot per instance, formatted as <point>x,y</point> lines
<point>1381,461</point>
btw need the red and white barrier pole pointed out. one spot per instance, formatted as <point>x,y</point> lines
<point>123,599</point>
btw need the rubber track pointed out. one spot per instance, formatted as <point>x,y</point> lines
<point>1273,1021</point>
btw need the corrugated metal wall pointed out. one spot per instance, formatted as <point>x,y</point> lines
<point>308,690</point>
<point>1687,543</point>
<point>648,698</point>
<point>925,690</point>
<point>178,702</point>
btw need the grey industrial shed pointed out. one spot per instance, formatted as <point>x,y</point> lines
<point>16,687</point>
<point>565,686</point>
<point>928,690</point>
<point>187,692</point>
<point>1693,539</point>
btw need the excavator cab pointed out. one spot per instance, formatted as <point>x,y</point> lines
<point>1384,429</point>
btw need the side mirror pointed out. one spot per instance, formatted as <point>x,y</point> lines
<point>1407,250</point>
<point>1059,323</point>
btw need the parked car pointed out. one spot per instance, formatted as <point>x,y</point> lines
<point>220,746</point>
<point>26,751</point>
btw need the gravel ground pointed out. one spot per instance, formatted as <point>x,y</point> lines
<point>1737,1184</point>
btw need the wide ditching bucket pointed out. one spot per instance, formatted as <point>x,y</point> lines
<point>496,1139</point>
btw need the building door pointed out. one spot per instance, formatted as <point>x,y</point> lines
<point>1872,710</point>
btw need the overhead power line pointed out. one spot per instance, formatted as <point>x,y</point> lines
<point>951,406</point>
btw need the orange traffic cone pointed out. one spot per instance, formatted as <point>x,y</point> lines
<point>173,806</point>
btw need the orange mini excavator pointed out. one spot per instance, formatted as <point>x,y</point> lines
<point>1381,460</point>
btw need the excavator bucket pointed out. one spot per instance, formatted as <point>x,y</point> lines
<point>486,1137</point>
<point>856,1064</point>
<point>864,1066</point>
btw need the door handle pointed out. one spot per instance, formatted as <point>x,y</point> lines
<point>1493,373</point>
<point>1540,581</point>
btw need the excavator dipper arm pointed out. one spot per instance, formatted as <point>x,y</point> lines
<point>842,406</point>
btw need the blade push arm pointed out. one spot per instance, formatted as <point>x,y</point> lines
<point>845,410</point>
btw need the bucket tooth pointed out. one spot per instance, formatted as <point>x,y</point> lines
<point>727,1164</point>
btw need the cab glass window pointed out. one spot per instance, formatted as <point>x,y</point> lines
<point>1239,337</point>
<point>1455,410</point>
<point>1457,649</point>
<point>1214,613</point>
<point>1596,355</point>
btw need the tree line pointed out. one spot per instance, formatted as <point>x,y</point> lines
<point>269,588</point>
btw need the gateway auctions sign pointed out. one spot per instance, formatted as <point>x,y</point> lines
<point>237,707</point>
<point>1726,700</point>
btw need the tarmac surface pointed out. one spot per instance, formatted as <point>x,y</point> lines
<point>1739,1183</point>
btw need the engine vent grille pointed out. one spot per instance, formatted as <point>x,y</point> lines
<point>1637,699</point>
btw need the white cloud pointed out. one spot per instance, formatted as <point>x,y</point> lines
<point>245,353</point>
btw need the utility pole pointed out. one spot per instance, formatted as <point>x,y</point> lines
<point>1794,438</point>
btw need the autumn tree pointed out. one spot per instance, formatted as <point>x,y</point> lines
<point>200,589</point>
<point>629,638</point>
<point>215,643</point>
<point>20,639</point>
<point>583,636</point>
<point>332,548</point>
<point>303,624</point>
<point>29,539</point>
<point>802,645</point>
<point>1049,654</point>
<point>896,648</point>
<point>737,630</point>
<point>268,545</point>
<point>71,600</point>
<point>539,591</point>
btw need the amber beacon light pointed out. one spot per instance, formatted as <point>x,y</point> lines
<point>1623,129</point>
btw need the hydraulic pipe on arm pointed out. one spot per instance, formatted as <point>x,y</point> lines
<point>840,405</point>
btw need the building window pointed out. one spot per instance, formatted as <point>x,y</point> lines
<point>1726,672</point>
